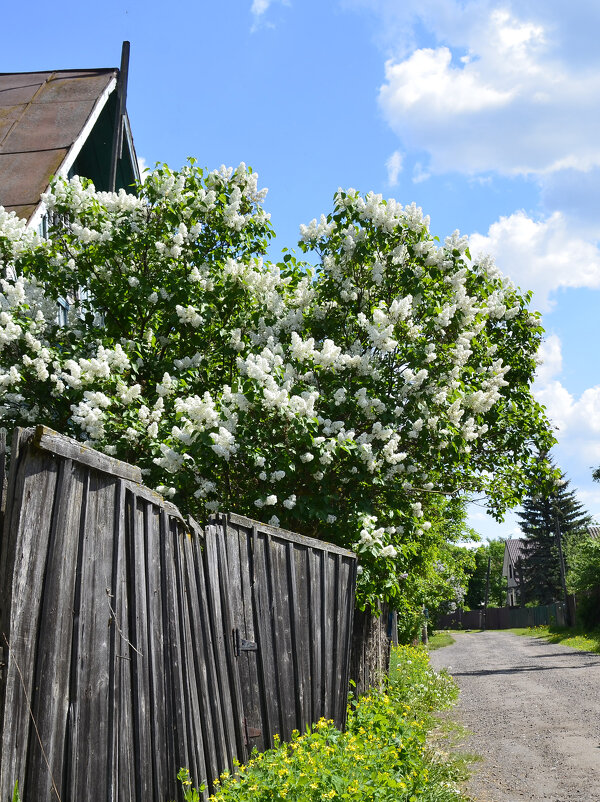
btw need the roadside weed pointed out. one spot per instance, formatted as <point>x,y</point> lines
<point>384,755</point>
<point>189,794</point>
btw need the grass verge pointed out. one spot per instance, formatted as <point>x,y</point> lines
<point>388,752</point>
<point>576,639</point>
<point>439,640</point>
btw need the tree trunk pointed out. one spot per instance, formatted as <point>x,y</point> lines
<point>371,643</point>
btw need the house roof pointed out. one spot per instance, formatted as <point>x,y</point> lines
<point>515,548</point>
<point>42,117</point>
<point>594,531</point>
<point>64,123</point>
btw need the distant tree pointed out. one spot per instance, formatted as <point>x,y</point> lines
<point>475,593</point>
<point>437,571</point>
<point>584,578</point>
<point>538,520</point>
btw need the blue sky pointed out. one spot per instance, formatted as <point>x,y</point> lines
<point>484,113</point>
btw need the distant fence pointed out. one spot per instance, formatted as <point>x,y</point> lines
<point>134,643</point>
<point>505,617</point>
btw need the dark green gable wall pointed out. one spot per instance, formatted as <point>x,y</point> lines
<point>94,159</point>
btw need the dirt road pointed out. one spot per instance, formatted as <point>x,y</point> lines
<point>534,711</point>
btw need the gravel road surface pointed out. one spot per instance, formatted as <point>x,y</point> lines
<point>533,709</point>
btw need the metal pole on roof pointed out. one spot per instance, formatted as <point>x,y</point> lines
<point>117,143</point>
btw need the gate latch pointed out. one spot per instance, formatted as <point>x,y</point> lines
<point>242,645</point>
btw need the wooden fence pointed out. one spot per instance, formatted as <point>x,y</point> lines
<point>291,602</point>
<point>504,617</point>
<point>134,643</point>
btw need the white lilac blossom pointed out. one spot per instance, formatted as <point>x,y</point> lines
<point>372,379</point>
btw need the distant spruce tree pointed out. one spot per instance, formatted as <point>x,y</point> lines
<point>541,566</point>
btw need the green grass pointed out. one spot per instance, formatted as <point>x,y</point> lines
<point>576,639</point>
<point>439,639</point>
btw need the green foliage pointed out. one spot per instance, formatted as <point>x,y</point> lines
<point>414,680</point>
<point>438,569</point>
<point>584,562</point>
<point>16,796</point>
<point>475,594</point>
<point>543,511</point>
<point>383,754</point>
<point>341,397</point>
<point>190,794</point>
<point>583,578</point>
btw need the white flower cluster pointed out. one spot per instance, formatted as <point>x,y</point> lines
<point>375,539</point>
<point>233,380</point>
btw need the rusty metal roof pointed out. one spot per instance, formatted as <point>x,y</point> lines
<point>42,116</point>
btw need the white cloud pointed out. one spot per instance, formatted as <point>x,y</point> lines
<point>259,9</point>
<point>500,95</point>
<point>420,174</point>
<point>590,498</point>
<point>575,417</point>
<point>550,356</point>
<point>542,255</point>
<point>428,84</point>
<point>577,422</point>
<point>142,165</point>
<point>394,168</point>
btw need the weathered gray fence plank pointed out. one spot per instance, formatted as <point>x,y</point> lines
<point>90,672</point>
<point>50,705</point>
<point>155,638</point>
<point>140,659</point>
<point>139,644</point>
<point>213,720</point>
<point>299,589</point>
<point>3,477</point>
<point>269,723</point>
<point>221,637</point>
<point>55,443</point>
<point>195,651</point>
<point>32,518</point>
<point>121,755</point>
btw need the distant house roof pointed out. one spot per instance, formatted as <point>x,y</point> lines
<point>594,531</point>
<point>60,122</point>
<point>516,548</point>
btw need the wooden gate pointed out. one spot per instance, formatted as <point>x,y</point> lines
<point>291,603</point>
